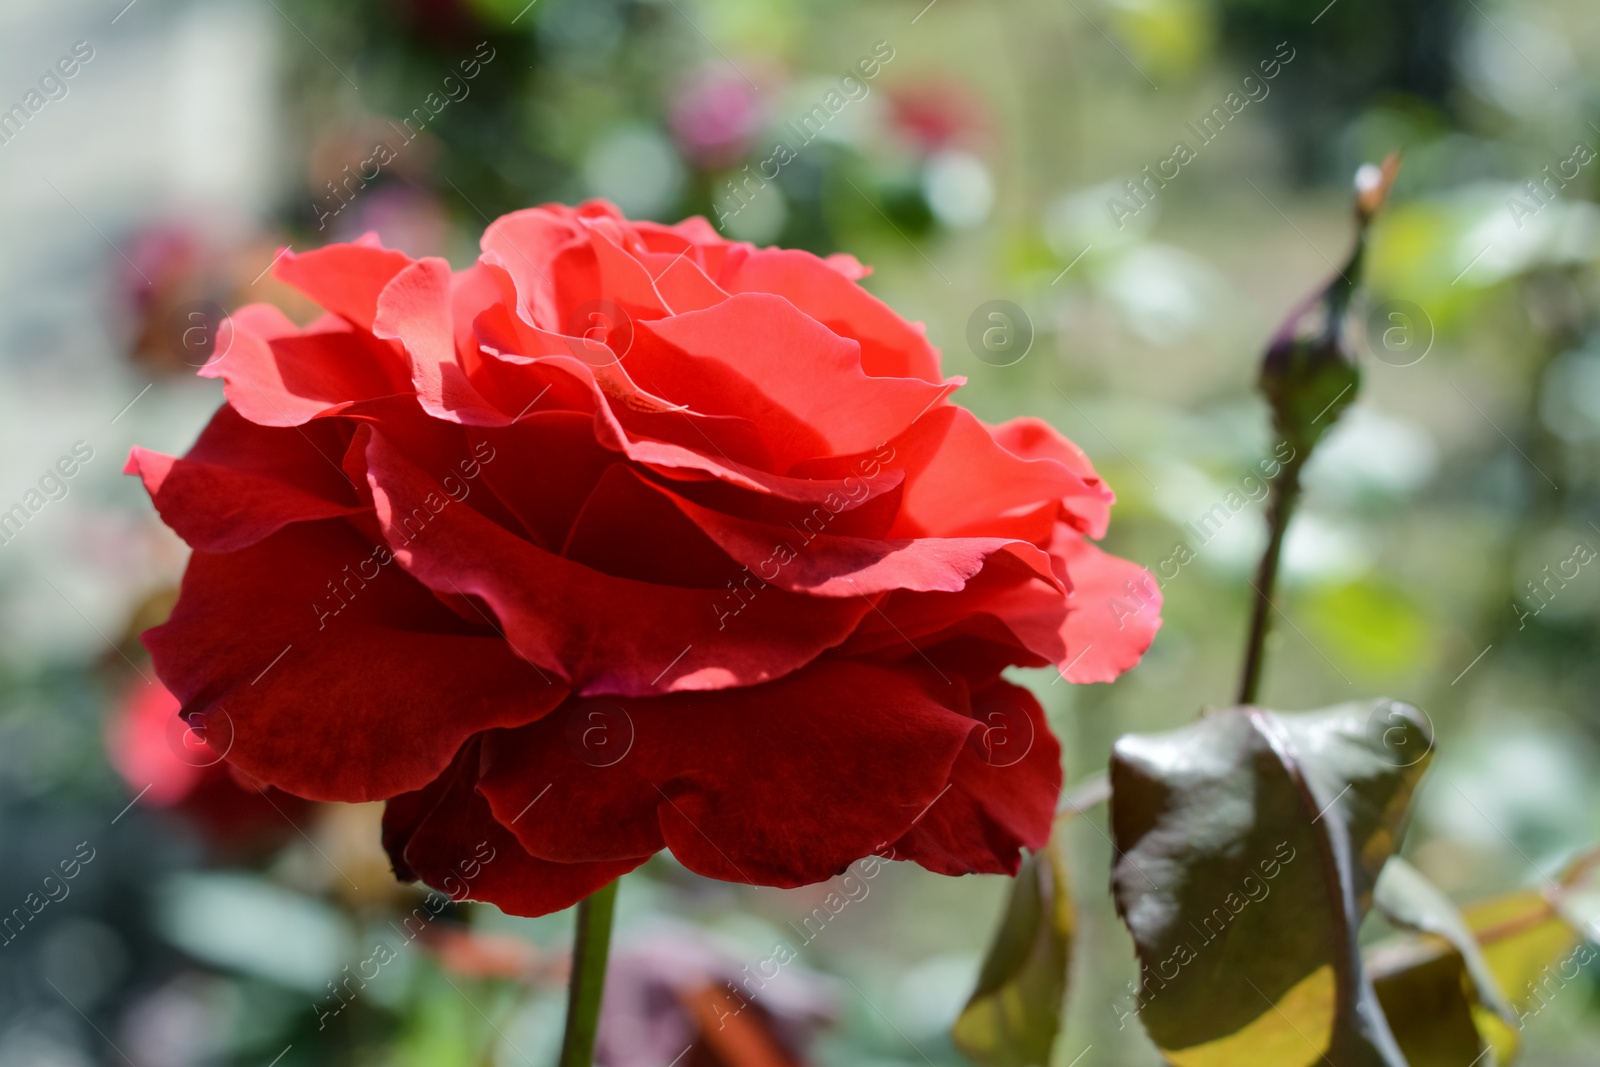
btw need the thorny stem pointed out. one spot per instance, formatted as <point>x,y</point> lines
<point>589,948</point>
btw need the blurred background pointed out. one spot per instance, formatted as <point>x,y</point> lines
<point>154,158</point>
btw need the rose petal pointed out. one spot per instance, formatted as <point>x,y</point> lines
<point>962,483</point>
<point>1030,438</point>
<point>1007,603</point>
<point>344,278</point>
<point>544,470</point>
<point>784,784</point>
<point>445,836</point>
<point>603,634</point>
<point>518,243</point>
<point>415,310</point>
<point>681,282</point>
<point>891,347</point>
<point>529,368</point>
<point>337,676</point>
<point>1002,795</point>
<point>805,557</point>
<point>605,537</point>
<point>759,356</point>
<point>288,379</point>
<point>241,482</point>
<point>1114,612</point>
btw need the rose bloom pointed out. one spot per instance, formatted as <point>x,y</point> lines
<point>624,538</point>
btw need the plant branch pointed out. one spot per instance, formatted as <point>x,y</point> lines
<point>1285,495</point>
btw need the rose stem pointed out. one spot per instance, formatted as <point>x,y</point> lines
<point>1285,493</point>
<point>590,945</point>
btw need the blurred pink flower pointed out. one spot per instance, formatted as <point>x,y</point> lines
<point>715,117</point>
<point>412,220</point>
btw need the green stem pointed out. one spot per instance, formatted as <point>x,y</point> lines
<point>1285,494</point>
<point>589,948</point>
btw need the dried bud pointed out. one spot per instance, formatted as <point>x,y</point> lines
<point>1373,182</point>
<point>1309,374</point>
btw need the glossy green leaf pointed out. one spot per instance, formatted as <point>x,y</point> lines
<point>1406,898</point>
<point>1015,1013</point>
<point>1249,843</point>
<point>1426,993</point>
<point>1442,1013</point>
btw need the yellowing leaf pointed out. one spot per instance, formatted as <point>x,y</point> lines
<point>1248,846</point>
<point>1292,1034</point>
<point>1015,1012</point>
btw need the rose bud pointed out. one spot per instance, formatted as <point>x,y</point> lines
<point>1309,374</point>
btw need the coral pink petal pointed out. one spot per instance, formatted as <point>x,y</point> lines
<point>1032,438</point>
<point>344,278</point>
<point>290,379</point>
<point>964,484</point>
<point>415,311</point>
<point>1114,612</point>
<point>758,355</point>
<point>890,346</point>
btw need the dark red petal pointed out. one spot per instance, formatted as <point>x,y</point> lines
<point>447,451</point>
<point>343,278</point>
<point>599,633</point>
<point>605,537</point>
<point>445,836</point>
<point>782,784</point>
<point>337,676</point>
<point>891,347</point>
<point>241,482</point>
<point>544,469</point>
<point>1002,795</point>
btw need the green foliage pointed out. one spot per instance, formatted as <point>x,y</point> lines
<point>1249,845</point>
<point>1408,899</point>
<point>1014,1014</point>
<point>1370,623</point>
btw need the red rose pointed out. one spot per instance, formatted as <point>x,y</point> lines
<point>629,537</point>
